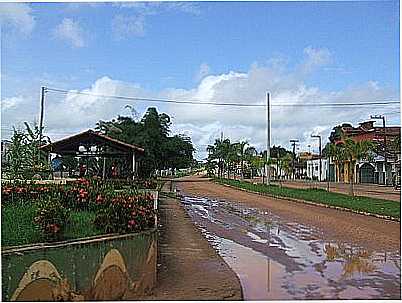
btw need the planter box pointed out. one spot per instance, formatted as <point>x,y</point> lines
<point>108,267</point>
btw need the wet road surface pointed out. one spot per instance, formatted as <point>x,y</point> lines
<point>276,259</point>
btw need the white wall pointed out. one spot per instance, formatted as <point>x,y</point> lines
<point>313,169</point>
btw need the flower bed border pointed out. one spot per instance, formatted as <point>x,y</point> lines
<point>92,239</point>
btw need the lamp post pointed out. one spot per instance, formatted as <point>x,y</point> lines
<point>268,170</point>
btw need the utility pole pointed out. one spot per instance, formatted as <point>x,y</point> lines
<point>268,170</point>
<point>319,146</point>
<point>294,141</point>
<point>42,104</point>
<point>310,165</point>
<point>382,117</point>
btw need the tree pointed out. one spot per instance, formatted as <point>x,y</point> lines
<point>25,157</point>
<point>355,151</point>
<point>239,149</point>
<point>252,159</point>
<point>336,152</point>
<point>152,132</point>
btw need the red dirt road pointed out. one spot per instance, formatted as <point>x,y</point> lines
<point>189,267</point>
<point>370,232</point>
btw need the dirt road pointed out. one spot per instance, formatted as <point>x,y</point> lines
<point>283,250</point>
<point>338,225</point>
<point>190,269</point>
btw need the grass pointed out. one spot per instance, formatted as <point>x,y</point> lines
<point>357,203</point>
<point>18,228</point>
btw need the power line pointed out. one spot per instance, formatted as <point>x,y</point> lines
<point>198,102</point>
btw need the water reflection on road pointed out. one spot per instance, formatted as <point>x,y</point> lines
<point>278,260</point>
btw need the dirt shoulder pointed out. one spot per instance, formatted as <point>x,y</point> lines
<point>367,231</point>
<point>190,269</point>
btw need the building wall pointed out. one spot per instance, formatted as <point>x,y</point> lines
<point>313,169</point>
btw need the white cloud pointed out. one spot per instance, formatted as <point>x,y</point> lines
<point>151,8</point>
<point>204,123</point>
<point>70,31</point>
<point>315,58</point>
<point>203,71</point>
<point>17,17</point>
<point>9,103</point>
<point>128,26</point>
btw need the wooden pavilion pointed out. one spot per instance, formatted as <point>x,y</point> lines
<point>92,144</point>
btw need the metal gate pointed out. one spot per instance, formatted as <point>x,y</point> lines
<point>366,173</point>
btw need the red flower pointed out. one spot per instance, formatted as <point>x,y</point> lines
<point>99,199</point>
<point>53,228</point>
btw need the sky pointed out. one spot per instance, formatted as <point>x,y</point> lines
<point>299,52</point>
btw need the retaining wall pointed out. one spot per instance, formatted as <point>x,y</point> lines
<point>111,267</point>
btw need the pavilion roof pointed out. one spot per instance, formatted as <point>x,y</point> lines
<point>89,137</point>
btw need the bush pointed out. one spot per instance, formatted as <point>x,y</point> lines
<point>125,213</point>
<point>52,218</point>
<point>112,207</point>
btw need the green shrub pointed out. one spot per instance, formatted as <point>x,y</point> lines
<point>125,213</point>
<point>52,218</point>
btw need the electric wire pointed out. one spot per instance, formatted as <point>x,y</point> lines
<point>198,102</point>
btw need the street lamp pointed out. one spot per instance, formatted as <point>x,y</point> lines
<point>319,146</point>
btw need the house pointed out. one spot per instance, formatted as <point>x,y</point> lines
<point>385,163</point>
<point>313,168</point>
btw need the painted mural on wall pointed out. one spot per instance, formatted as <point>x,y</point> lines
<point>111,268</point>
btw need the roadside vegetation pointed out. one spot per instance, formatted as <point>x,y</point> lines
<point>33,213</point>
<point>356,203</point>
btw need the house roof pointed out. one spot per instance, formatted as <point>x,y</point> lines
<point>89,136</point>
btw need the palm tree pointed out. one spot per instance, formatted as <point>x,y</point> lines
<point>239,148</point>
<point>355,151</point>
<point>285,164</point>
<point>338,156</point>
<point>250,156</point>
<point>219,152</point>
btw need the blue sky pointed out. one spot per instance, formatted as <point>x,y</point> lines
<point>299,50</point>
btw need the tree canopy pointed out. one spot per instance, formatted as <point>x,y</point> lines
<point>152,133</point>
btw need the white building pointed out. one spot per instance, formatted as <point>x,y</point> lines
<point>313,169</point>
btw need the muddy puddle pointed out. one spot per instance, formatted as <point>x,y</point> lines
<point>278,260</point>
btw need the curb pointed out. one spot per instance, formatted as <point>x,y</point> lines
<point>390,218</point>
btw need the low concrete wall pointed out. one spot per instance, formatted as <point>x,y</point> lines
<point>111,267</point>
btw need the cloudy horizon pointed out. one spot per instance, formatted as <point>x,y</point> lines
<point>314,70</point>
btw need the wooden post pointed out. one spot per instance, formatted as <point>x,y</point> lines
<point>134,170</point>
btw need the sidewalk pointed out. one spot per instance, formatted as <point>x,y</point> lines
<point>188,266</point>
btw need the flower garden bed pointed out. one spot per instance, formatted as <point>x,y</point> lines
<point>33,213</point>
<point>84,240</point>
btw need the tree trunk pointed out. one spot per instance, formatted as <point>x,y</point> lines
<point>351,191</point>
<point>242,174</point>
<point>328,174</point>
